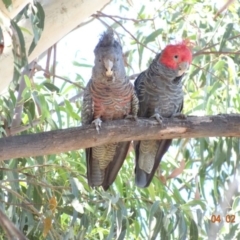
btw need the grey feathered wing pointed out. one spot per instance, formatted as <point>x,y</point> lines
<point>95,175</point>
<point>115,165</point>
<point>93,170</point>
<point>142,178</point>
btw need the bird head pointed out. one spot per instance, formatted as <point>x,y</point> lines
<point>109,62</point>
<point>177,56</point>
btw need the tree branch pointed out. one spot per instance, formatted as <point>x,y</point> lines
<point>48,74</point>
<point>223,8</point>
<point>215,52</point>
<point>17,116</point>
<point>57,14</point>
<point>59,141</point>
<point>100,14</point>
<point>11,231</point>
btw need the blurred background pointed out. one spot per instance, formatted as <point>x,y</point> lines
<point>195,192</point>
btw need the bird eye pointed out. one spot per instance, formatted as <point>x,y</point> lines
<point>176,56</point>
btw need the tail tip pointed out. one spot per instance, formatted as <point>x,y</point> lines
<point>141,179</point>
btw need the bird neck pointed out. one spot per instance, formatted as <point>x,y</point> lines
<point>159,70</point>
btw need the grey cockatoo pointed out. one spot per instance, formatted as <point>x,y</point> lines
<point>160,94</point>
<point>108,95</point>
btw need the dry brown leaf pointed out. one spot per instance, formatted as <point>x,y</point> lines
<point>177,171</point>
<point>163,179</point>
<point>47,224</point>
<point>53,204</point>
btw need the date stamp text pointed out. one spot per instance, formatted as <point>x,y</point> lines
<point>230,218</point>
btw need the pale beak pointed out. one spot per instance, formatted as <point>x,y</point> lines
<point>108,65</point>
<point>182,68</point>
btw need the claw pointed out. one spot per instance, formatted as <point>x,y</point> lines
<point>158,117</point>
<point>130,116</point>
<point>97,123</point>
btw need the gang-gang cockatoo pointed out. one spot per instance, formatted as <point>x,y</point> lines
<point>159,90</point>
<point>109,95</point>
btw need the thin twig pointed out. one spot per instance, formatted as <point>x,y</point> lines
<point>54,61</point>
<point>19,129</point>
<point>224,7</point>
<point>39,68</point>
<point>99,13</point>
<point>36,183</point>
<point>214,52</point>
<point>120,24</point>
<point>10,229</point>
<point>214,32</point>
<point>203,69</point>
<point>105,24</point>
<point>17,115</point>
<point>69,81</point>
<point>213,45</point>
<point>194,176</point>
<point>49,53</point>
<point>89,21</point>
<point>23,199</point>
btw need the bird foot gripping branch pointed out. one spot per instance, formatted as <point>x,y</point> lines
<point>130,116</point>
<point>158,117</point>
<point>97,123</point>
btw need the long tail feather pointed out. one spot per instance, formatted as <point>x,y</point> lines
<point>104,178</point>
<point>142,178</point>
<point>115,165</point>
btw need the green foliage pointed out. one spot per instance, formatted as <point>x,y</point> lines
<point>7,3</point>
<point>37,17</point>
<point>37,20</point>
<point>170,208</point>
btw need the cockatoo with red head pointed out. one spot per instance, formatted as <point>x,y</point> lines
<point>159,90</point>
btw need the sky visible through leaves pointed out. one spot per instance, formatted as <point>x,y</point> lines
<point>193,180</point>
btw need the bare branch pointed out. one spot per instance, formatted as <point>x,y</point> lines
<point>213,45</point>
<point>120,24</point>
<point>17,116</point>
<point>88,21</point>
<point>215,52</point>
<point>67,80</point>
<point>59,141</point>
<point>123,18</point>
<point>49,53</point>
<point>48,74</point>
<point>10,229</point>
<point>18,129</point>
<point>224,7</point>
<point>211,73</point>
<point>54,61</point>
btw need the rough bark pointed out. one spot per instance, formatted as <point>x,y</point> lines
<point>61,17</point>
<point>59,141</point>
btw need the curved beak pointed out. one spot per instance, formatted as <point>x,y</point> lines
<point>182,68</point>
<point>108,65</point>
